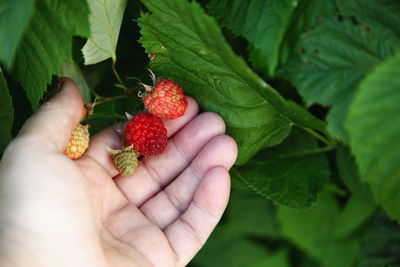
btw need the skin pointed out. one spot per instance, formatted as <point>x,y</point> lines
<point>59,212</point>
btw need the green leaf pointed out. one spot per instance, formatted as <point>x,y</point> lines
<point>247,216</point>
<point>302,117</point>
<point>236,182</point>
<point>71,70</point>
<point>374,130</point>
<point>381,243</point>
<point>350,176</point>
<point>307,15</point>
<point>14,17</point>
<point>354,215</point>
<point>382,13</point>
<point>331,60</point>
<point>105,22</point>
<point>278,259</point>
<point>189,47</point>
<point>313,231</point>
<point>233,252</point>
<point>47,43</point>
<point>259,213</point>
<point>262,22</point>
<point>6,113</point>
<point>291,174</point>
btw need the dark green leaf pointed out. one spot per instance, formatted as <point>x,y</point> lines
<point>291,174</point>
<point>14,17</point>
<point>382,13</point>
<point>248,215</point>
<point>381,243</point>
<point>262,22</point>
<point>331,60</point>
<point>349,174</point>
<point>222,250</point>
<point>278,259</point>
<point>251,215</point>
<point>236,182</point>
<point>307,15</point>
<point>374,131</point>
<point>189,47</point>
<point>6,113</point>
<point>354,215</point>
<point>47,43</point>
<point>313,231</point>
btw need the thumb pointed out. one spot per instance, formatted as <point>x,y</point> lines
<point>52,125</point>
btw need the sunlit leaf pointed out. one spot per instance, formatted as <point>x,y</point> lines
<point>105,22</point>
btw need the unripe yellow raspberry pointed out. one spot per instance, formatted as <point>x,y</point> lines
<point>78,143</point>
<point>125,160</point>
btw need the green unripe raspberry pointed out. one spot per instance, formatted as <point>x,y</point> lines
<point>125,160</point>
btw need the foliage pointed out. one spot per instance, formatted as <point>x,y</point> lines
<point>47,43</point>
<point>297,171</point>
<point>372,138</point>
<point>6,113</point>
<point>309,90</point>
<point>105,21</point>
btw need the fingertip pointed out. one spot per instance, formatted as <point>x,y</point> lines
<point>191,111</point>
<point>232,147</point>
<point>193,107</point>
<point>70,92</point>
<point>60,115</point>
<point>215,120</point>
<point>214,190</point>
<point>220,151</point>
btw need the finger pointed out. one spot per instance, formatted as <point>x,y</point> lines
<point>97,149</point>
<point>154,173</point>
<point>53,123</point>
<point>191,230</point>
<point>169,204</point>
<point>176,124</point>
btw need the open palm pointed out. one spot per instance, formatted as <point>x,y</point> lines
<point>59,212</point>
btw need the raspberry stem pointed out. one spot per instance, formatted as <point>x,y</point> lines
<point>118,77</point>
<point>111,98</point>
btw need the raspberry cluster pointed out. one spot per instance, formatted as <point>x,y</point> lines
<point>145,134</point>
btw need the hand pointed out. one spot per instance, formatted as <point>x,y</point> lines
<point>59,212</point>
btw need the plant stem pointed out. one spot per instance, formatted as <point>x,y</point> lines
<point>117,76</point>
<point>111,98</point>
<point>320,137</point>
<point>96,95</point>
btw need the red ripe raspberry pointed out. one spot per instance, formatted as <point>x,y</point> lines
<point>165,100</point>
<point>147,134</point>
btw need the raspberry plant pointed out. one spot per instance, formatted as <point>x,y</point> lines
<point>309,89</point>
